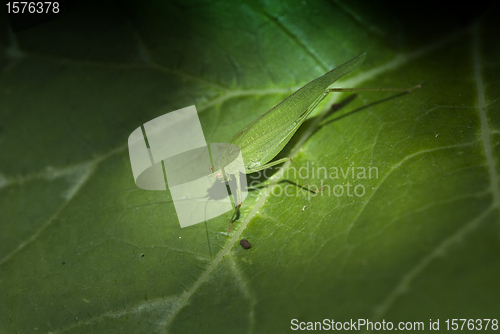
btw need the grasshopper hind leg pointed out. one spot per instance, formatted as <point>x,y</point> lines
<point>238,199</point>
<point>234,217</point>
<point>280,161</point>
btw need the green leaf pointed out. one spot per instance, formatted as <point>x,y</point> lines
<point>83,250</point>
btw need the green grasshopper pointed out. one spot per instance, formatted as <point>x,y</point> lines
<point>260,141</point>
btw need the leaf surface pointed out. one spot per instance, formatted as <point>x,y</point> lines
<point>416,237</point>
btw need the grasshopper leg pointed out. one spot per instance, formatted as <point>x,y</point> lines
<point>375,89</point>
<point>238,200</point>
<point>280,161</point>
<point>233,218</point>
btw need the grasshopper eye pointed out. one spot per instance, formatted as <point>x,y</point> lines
<point>211,169</point>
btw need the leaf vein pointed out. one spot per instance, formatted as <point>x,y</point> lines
<point>392,169</point>
<point>485,128</point>
<point>71,193</point>
<point>406,280</point>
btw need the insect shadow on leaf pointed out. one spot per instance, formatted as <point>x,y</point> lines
<point>326,121</point>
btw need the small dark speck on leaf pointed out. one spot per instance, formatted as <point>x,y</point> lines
<point>245,243</point>
<point>63,262</point>
<point>142,255</point>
